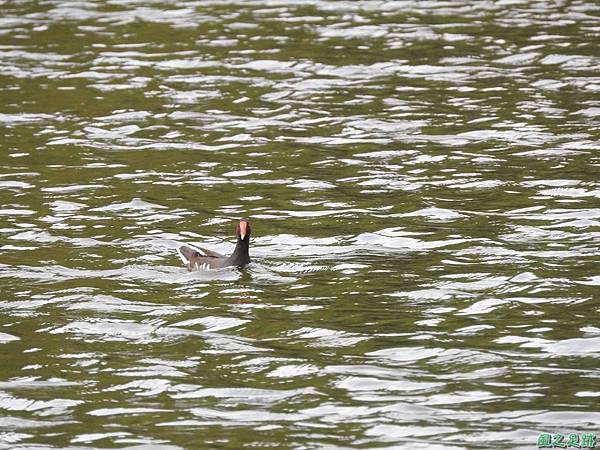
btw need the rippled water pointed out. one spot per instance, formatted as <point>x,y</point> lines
<point>422,180</point>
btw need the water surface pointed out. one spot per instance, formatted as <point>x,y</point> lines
<point>422,181</point>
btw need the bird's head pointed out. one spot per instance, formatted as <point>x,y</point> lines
<point>243,230</point>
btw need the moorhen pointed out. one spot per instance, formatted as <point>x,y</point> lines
<point>198,258</point>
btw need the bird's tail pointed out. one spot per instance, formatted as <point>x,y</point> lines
<point>185,253</point>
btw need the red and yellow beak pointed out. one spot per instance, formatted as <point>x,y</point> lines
<point>243,229</point>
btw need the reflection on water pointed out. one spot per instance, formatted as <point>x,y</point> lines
<point>422,179</point>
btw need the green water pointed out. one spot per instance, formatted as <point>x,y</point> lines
<point>422,183</point>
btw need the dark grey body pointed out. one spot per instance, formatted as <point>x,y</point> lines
<point>198,258</point>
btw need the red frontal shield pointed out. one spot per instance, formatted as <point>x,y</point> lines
<point>243,229</point>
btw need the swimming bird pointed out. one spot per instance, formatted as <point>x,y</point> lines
<point>198,258</point>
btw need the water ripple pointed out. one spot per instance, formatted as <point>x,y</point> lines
<point>421,178</point>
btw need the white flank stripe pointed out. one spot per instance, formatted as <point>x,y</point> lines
<point>197,249</point>
<point>183,258</point>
